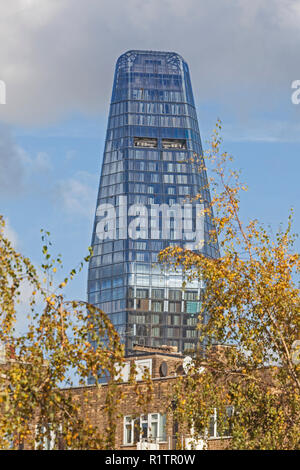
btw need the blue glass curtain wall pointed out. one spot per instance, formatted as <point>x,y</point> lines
<point>152,156</point>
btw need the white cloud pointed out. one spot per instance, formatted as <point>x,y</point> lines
<point>70,155</point>
<point>263,130</point>
<point>58,56</point>
<point>42,162</point>
<point>11,163</point>
<point>77,195</point>
<point>16,165</point>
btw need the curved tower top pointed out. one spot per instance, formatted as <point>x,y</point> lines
<point>166,66</point>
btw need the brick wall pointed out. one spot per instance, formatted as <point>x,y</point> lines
<point>92,398</point>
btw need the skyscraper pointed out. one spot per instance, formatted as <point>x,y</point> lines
<point>151,168</point>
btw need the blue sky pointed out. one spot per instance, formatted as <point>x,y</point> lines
<point>58,62</point>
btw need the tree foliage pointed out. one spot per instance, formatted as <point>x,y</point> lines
<point>64,339</point>
<point>252,304</point>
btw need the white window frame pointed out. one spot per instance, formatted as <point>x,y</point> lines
<point>215,428</point>
<point>141,367</point>
<point>48,442</point>
<point>150,419</point>
<point>214,416</point>
<point>123,372</point>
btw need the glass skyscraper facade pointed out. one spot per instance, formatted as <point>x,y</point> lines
<point>152,163</point>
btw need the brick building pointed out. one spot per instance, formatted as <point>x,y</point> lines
<point>144,426</point>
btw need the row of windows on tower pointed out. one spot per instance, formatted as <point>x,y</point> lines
<point>157,319</point>
<point>174,295</point>
<point>142,165</point>
<point>119,245</point>
<point>166,190</point>
<point>145,257</point>
<point>185,122</point>
<point>152,108</point>
<point>151,94</point>
<point>190,307</point>
<point>124,142</point>
<point>174,144</point>
<point>99,298</point>
<point>140,255</point>
<point>144,273</point>
<point>153,132</point>
<point>149,154</point>
<point>117,189</point>
<point>150,81</point>
<point>116,311</point>
<point>155,75</point>
<point>181,323</point>
<point>173,173</point>
<point>149,177</point>
<point>140,299</point>
<point>169,332</point>
<point>183,320</point>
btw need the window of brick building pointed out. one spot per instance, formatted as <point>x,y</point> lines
<point>214,429</point>
<point>149,427</point>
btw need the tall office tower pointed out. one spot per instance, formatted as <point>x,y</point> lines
<point>151,166</point>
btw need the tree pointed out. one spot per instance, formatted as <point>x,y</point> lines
<point>252,304</point>
<point>63,338</point>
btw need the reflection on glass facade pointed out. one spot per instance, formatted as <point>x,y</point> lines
<point>151,146</point>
